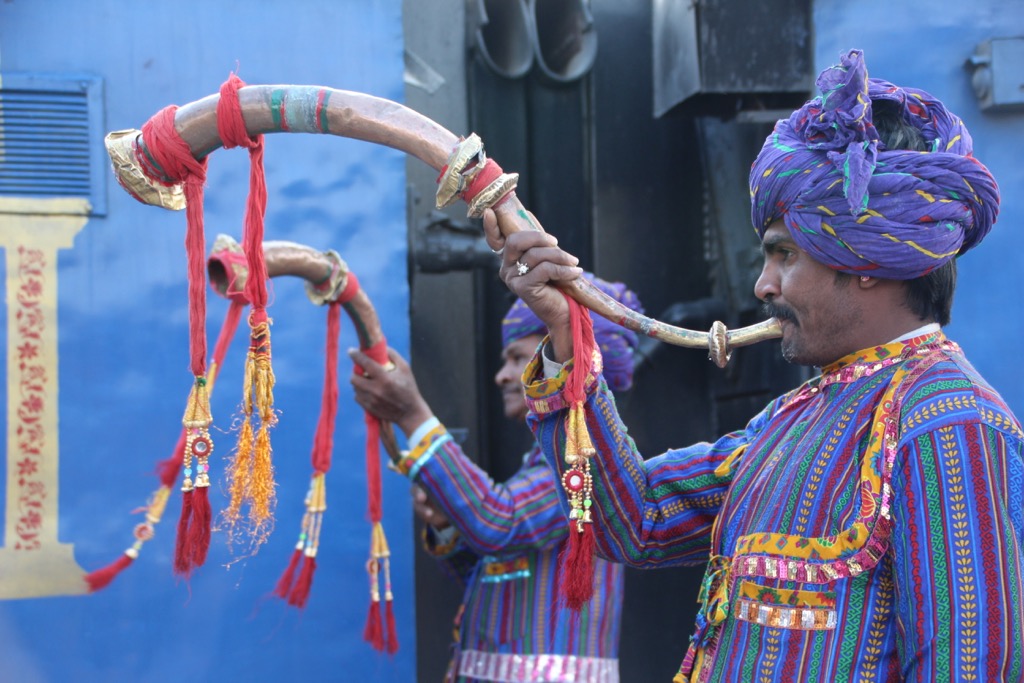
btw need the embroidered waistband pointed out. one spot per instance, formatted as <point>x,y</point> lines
<point>495,571</point>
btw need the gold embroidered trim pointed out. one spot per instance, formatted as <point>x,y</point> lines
<point>794,618</point>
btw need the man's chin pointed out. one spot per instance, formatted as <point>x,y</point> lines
<point>515,411</point>
<point>790,350</point>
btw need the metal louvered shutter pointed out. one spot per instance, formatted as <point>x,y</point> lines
<point>51,129</point>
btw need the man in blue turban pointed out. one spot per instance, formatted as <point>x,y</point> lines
<point>869,524</point>
<point>502,540</point>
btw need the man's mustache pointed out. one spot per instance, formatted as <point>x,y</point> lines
<point>779,312</point>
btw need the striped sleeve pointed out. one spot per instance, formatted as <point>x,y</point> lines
<point>956,548</point>
<point>657,512</point>
<point>492,518</point>
<point>455,558</point>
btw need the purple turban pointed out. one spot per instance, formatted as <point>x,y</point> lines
<point>863,209</point>
<point>616,342</point>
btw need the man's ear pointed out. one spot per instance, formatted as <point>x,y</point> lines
<point>867,282</point>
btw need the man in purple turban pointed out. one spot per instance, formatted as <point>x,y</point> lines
<point>503,540</point>
<point>860,205</point>
<point>868,525</point>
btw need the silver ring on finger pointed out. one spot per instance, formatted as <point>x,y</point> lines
<point>522,268</point>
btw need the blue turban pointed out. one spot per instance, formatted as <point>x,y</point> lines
<point>616,342</point>
<point>858,207</point>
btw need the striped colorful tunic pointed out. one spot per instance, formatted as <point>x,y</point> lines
<point>867,526</point>
<point>511,627</point>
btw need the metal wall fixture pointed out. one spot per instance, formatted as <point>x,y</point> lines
<point>559,35</point>
<point>997,74</point>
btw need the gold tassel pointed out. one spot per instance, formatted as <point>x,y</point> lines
<point>252,470</point>
<point>582,443</point>
<point>317,507</point>
<point>144,531</point>
<point>379,542</point>
<point>157,505</point>
<point>577,481</point>
<point>263,377</point>
<point>379,552</point>
<point>197,420</point>
<point>261,488</point>
<point>240,473</point>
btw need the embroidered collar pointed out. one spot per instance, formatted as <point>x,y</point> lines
<point>866,362</point>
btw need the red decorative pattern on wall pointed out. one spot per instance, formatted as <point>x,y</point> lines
<point>28,344</point>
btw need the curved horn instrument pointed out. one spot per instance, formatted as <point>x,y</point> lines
<point>326,275</point>
<point>462,163</point>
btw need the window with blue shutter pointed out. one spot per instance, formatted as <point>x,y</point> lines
<point>51,138</point>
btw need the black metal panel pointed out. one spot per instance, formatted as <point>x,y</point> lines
<point>644,200</point>
<point>538,130</point>
<point>648,233</point>
<point>722,56</point>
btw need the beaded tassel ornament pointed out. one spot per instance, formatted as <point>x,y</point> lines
<point>251,473</point>
<point>167,469</point>
<point>380,631</point>
<point>296,590</point>
<point>577,556</point>
<point>169,162</point>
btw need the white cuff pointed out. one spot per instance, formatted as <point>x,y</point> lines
<point>444,536</point>
<point>421,431</point>
<point>551,368</point>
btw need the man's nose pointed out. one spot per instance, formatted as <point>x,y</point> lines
<point>766,286</point>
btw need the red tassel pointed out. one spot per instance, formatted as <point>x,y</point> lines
<point>101,578</point>
<point>577,565</point>
<point>199,530</point>
<point>373,633</point>
<point>284,584</point>
<point>182,557</point>
<point>576,586</point>
<point>168,470</point>
<point>392,629</point>
<point>300,592</point>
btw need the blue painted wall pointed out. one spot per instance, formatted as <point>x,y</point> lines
<point>925,45</point>
<point>123,346</point>
<point>123,351</point>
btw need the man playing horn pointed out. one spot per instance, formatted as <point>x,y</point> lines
<point>869,524</point>
<point>502,540</point>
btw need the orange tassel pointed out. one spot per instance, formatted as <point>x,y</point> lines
<point>252,471</point>
<point>239,475</point>
<point>261,488</point>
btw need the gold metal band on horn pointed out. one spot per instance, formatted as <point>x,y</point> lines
<point>380,121</point>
